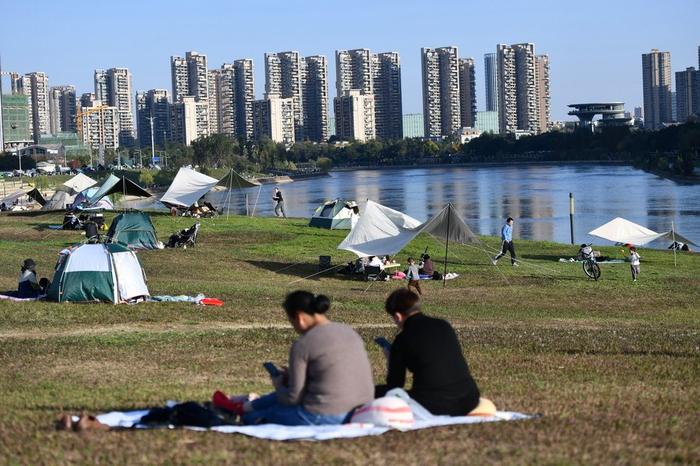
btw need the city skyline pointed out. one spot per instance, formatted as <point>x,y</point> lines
<point>579,71</point>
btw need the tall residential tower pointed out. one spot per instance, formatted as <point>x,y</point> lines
<point>656,85</point>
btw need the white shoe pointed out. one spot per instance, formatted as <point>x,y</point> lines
<point>494,261</point>
<point>515,264</point>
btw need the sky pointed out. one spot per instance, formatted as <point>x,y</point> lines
<point>594,46</point>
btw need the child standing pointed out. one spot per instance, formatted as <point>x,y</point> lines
<point>634,263</point>
<point>413,276</point>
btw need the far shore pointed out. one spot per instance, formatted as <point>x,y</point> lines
<point>483,164</point>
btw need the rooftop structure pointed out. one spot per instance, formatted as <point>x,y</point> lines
<point>612,114</point>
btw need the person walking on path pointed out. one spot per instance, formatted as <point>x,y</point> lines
<point>507,243</point>
<point>634,263</point>
<point>413,277</point>
<point>279,203</point>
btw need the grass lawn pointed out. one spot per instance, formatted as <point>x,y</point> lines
<point>613,366</point>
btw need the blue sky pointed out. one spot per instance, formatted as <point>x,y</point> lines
<point>594,46</point>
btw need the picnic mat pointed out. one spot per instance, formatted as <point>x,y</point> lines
<point>130,419</point>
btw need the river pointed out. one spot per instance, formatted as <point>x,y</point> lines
<point>537,196</point>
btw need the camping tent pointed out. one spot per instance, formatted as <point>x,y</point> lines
<point>234,180</point>
<point>82,201</point>
<point>78,183</point>
<point>620,230</point>
<point>382,230</point>
<point>337,214</point>
<point>133,230</point>
<point>187,188</point>
<point>114,184</point>
<point>98,272</point>
<point>65,194</point>
<point>37,196</point>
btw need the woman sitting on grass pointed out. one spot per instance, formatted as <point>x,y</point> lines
<point>329,373</point>
<point>429,348</point>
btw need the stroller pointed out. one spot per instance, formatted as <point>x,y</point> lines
<point>184,238</point>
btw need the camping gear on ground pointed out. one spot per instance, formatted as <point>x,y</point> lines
<point>374,273</point>
<point>71,222</point>
<point>324,262</point>
<point>422,420</point>
<point>337,214</point>
<point>98,272</point>
<point>133,230</point>
<point>115,185</point>
<point>184,238</point>
<point>387,411</point>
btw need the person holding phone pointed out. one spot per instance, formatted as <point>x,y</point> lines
<point>329,373</point>
<point>427,347</point>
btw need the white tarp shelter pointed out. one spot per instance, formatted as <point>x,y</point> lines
<point>187,188</point>
<point>78,183</point>
<point>620,230</point>
<point>381,230</point>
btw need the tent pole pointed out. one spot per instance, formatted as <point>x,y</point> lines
<point>256,201</point>
<point>447,245</point>
<point>228,199</point>
<point>673,235</point>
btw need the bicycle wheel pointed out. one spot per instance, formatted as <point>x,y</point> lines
<point>591,269</point>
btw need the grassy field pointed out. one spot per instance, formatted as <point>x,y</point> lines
<point>613,366</point>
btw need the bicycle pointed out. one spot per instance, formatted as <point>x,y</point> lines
<point>590,266</point>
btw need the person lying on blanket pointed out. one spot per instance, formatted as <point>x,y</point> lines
<point>329,372</point>
<point>429,348</point>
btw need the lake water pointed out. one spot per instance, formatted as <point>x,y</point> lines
<point>537,196</point>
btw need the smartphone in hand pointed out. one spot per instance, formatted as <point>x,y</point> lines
<point>383,342</point>
<point>271,369</point>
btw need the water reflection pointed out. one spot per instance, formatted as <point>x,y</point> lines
<point>536,196</point>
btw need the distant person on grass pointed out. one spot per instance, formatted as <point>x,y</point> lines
<point>507,243</point>
<point>413,276</point>
<point>28,286</point>
<point>634,263</point>
<point>329,373</point>
<point>427,347</point>
<point>279,203</point>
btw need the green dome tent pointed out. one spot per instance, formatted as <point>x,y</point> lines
<point>98,272</point>
<point>133,230</point>
<point>337,214</point>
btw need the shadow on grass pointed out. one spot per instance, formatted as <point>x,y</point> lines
<point>303,270</point>
<point>546,257</point>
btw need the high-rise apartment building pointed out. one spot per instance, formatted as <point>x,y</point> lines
<point>656,85</point>
<point>179,77</point>
<point>273,117</point>
<point>376,74</point>
<point>491,81</point>
<point>441,96</point>
<point>36,86</point>
<point>87,99</point>
<point>223,96</point>
<point>189,120</point>
<point>523,89</point>
<point>153,104</point>
<point>17,131</point>
<point>543,93</point>
<point>687,94</point>
<point>113,89</point>
<point>198,78</point>
<point>467,92</point>
<point>98,126</point>
<point>244,97</point>
<point>315,96</point>
<point>283,78</point>
<point>62,108</point>
<point>214,93</point>
<point>354,116</point>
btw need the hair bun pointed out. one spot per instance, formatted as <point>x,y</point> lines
<point>321,304</point>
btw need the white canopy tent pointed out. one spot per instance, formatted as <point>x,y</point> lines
<point>78,183</point>
<point>620,230</point>
<point>187,188</point>
<point>381,230</point>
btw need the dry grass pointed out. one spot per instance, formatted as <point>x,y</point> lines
<point>613,366</point>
